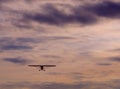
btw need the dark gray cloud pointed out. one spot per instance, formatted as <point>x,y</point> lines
<point>44,39</point>
<point>86,14</point>
<point>55,73</point>
<point>51,56</point>
<point>19,40</point>
<point>59,37</point>
<point>81,85</point>
<point>27,40</point>
<point>78,76</point>
<point>115,50</point>
<point>75,75</point>
<point>7,43</point>
<point>17,60</point>
<point>107,9</point>
<point>22,43</point>
<point>1,1</point>
<point>104,64</point>
<point>22,25</point>
<point>15,47</point>
<point>24,40</point>
<point>116,59</point>
<point>57,17</point>
<point>70,73</point>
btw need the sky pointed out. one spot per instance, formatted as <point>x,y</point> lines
<point>80,37</point>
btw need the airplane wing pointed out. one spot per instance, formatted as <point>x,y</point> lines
<point>42,65</point>
<point>34,65</point>
<point>49,65</point>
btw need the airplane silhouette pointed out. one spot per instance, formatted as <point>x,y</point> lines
<point>42,66</point>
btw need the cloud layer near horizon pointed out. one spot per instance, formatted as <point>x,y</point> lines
<point>82,85</point>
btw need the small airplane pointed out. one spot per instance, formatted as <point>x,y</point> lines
<point>42,66</point>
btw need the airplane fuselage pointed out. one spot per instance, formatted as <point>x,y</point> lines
<point>41,68</point>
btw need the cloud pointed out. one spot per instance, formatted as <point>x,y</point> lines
<point>58,38</point>
<point>54,38</point>
<point>43,39</point>
<point>75,74</point>
<point>84,14</point>
<point>1,1</point>
<point>107,9</point>
<point>26,40</point>
<point>51,56</point>
<point>15,47</point>
<point>23,43</point>
<point>22,25</point>
<point>57,17</point>
<point>19,40</point>
<point>7,43</point>
<point>82,85</point>
<point>117,59</point>
<point>104,64</point>
<point>115,50</point>
<point>16,60</point>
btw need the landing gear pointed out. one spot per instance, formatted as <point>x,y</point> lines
<point>41,68</point>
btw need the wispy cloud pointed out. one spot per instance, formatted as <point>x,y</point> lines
<point>81,85</point>
<point>4,0</point>
<point>104,64</point>
<point>51,56</point>
<point>107,9</point>
<point>15,47</point>
<point>17,60</point>
<point>116,59</point>
<point>23,43</point>
<point>86,14</point>
<point>115,50</point>
<point>57,17</point>
<point>7,43</point>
